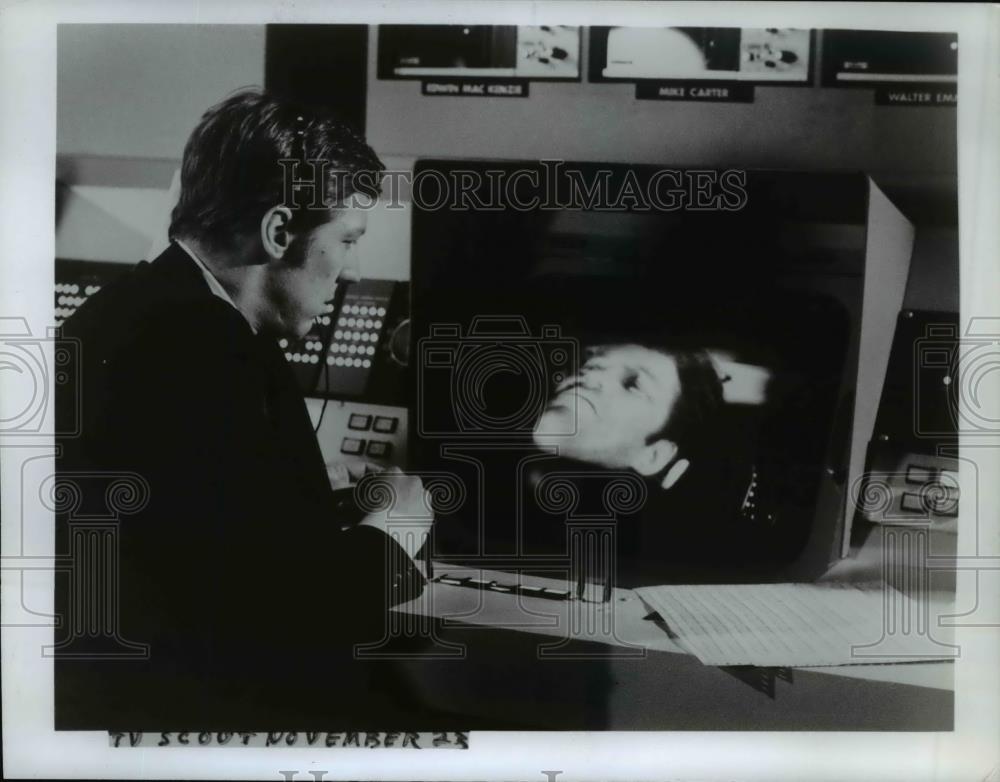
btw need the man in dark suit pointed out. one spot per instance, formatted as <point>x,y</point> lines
<point>233,568</point>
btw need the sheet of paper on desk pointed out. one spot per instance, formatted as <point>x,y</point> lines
<point>797,625</point>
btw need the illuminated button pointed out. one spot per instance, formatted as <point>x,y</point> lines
<point>288,356</point>
<point>308,345</point>
<point>916,474</point>
<point>59,287</point>
<point>366,363</point>
<point>283,342</point>
<point>359,421</point>
<point>348,309</point>
<point>911,502</point>
<point>357,335</point>
<point>329,307</point>
<point>329,361</point>
<point>352,349</point>
<point>385,425</point>
<point>339,361</point>
<point>314,359</point>
<point>380,312</point>
<point>377,324</point>
<point>352,445</point>
<point>90,289</point>
<point>74,288</point>
<point>351,322</point>
<point>338,334</point>
<point>325,320</point>
<point>357,362</point>
<point>61,300</point>
<point>368,323</point>
<point>342,322</point>
<point>370,350</point>
<point>379,449</point>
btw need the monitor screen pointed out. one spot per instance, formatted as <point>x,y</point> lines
<point>867,57</point>
<point>752,55</point>
<point>414,51</point>
<point>673,374</point>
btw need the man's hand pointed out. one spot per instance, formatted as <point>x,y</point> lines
<point>343,475</point>
<point>406,516</point>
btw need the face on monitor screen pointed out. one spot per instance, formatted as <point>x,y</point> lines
<point>668,355</point>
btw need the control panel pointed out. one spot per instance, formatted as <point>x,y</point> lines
<point>904,487</point>
<point>353,434</point>
<point>359,362</point>
<point>77,281</point>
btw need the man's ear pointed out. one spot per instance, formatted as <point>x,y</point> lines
<point>654,457</point>
<point>274,234</point>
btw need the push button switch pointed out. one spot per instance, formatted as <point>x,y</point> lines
<point>352,445</point>
<point>912,502</point>
<point>385,425</point>
<point>359,421</point>
<point>379,449</point>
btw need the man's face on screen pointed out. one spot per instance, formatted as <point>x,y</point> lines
<point>621,397</point>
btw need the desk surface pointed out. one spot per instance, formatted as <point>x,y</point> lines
<point>580,664</point>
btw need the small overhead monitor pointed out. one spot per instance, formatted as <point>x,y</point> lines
<point>880,57</point>
<point>750,55</point>
<point>479,51</point>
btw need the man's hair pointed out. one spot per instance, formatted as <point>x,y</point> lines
<point>231,175</point>
<point>691,421</point>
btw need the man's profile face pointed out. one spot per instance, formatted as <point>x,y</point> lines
<point>621,396</point>
<point>305,280</point>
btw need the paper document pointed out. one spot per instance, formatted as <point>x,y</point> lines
<point>799,625</point>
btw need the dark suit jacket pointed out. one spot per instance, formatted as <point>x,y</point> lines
<point>235,571</point>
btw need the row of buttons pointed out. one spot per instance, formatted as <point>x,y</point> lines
<point>343,361</point>
<point>302,358</point>
<point>380,449</point>
<point>494,586</point>
<point>942,506</point>
<point>358,323</point>
<point>361,350</point>
<point>362,422</point>
<point>361,309</point>
<point>72,287</point>
<point>74,301</point>
<point>333,361</point>
<point>356,336</point>
<point>916,474</point>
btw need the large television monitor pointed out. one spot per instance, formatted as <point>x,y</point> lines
<point>689,358</point>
